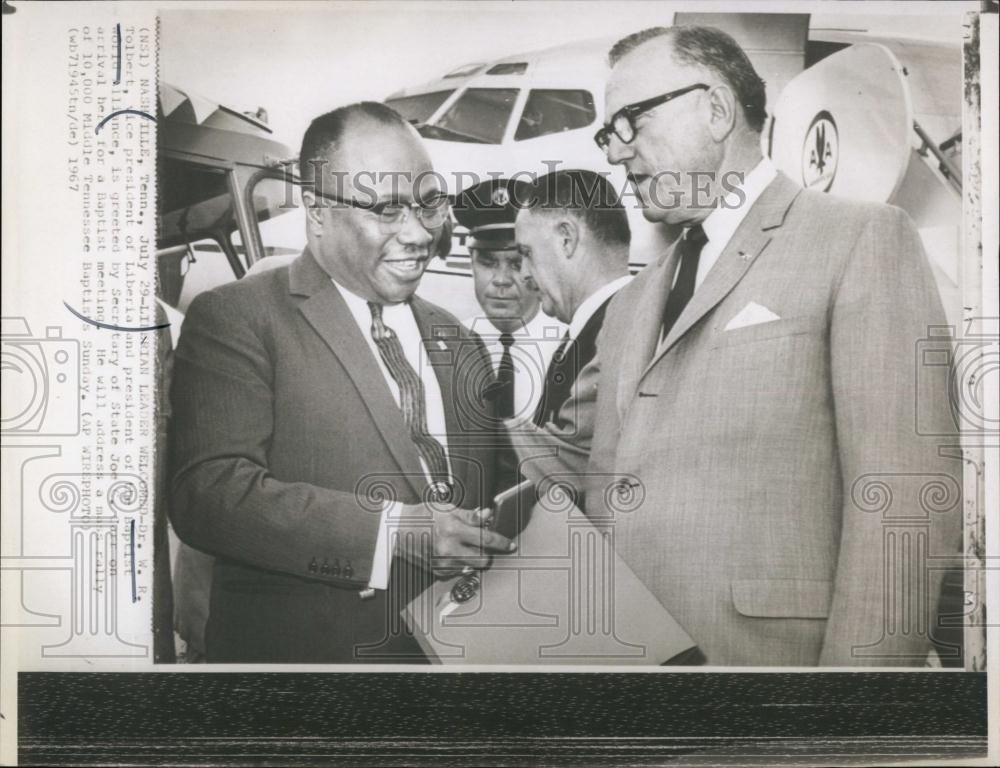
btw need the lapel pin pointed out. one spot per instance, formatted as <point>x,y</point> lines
<point>745,256</point>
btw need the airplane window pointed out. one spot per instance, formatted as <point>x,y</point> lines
<point>479,116</point>
<point>511,68</point>
<point>417,109</point>
<point>280,217</point>
<point>466,69</point>
<point>552,111</point>
<point>194,201</point>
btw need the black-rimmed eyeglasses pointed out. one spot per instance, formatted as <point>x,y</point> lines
<point>393,214</point>
<point>623,121</point>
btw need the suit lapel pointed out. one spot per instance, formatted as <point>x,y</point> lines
<point>445,350</point>
<point>645,331</point>
<point>441,344</point>
<point>740,253</point>
<point>327,312</point>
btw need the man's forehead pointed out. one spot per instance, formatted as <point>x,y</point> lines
<point>645,72</point>
<point>499,254</point>
<point>379,153</point>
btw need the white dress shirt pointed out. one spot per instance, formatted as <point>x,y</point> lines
<point>535,343</point>
<point>590,305</point>
<point>399,317</point>
<point>722,223</point>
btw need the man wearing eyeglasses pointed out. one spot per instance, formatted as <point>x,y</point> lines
<point>755,386</point>
<point>329,431</point>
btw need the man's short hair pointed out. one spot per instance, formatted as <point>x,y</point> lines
<point>588,196</point>
<point>326,131</point>
<point>715,50</point>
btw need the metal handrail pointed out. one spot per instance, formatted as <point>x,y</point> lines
<point>947,166</point>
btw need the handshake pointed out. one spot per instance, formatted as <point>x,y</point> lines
<point>460,539</point>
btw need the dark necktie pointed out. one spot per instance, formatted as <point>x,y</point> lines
<point>546,408</point>
<point>690,250</point>
<point>411,396</point>
<point>505,379</point>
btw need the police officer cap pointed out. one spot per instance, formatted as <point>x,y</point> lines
<point>488,211</point>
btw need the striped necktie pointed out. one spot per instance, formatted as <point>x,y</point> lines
<point>411,396</point>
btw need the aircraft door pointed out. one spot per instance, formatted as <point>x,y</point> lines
<point>846,126</point>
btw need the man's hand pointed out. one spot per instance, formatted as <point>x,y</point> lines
<point>458,537</point>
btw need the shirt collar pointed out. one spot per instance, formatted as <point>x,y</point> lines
<point>721,224</point>
<point>533,329</point>
<point>591,304</point>
<point>360,311</point>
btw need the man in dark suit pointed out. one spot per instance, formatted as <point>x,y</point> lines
<point>330,441</point>
<point>573,236</point>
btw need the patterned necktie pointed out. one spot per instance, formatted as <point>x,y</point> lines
<point>690,251</point>
<point>505,378</point>
<point>411,396</point>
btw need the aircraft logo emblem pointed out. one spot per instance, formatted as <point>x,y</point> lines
<point>820,153</point>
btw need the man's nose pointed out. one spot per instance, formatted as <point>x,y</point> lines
<point>504,276</point>
<point>618,151</point>
<point>414,233</point>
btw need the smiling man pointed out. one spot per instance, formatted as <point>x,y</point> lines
<point>321,416</point>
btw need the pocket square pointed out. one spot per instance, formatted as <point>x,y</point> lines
<point>752,314</point>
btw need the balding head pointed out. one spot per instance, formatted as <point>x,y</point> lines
<point>705,48</point>
<point>365,166</point>
<point>706,126</point>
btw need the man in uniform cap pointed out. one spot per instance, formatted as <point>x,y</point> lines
<point>519,337</point>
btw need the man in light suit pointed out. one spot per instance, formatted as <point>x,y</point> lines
<point>755,389</point>
<point>328,445</point>
<point>573,236</point>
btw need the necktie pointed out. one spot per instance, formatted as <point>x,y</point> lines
<point>411,396</point>
<point>690,250</point>
<point>546,406</point>
<point>505,379</point>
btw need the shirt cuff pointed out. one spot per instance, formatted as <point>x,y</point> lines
<point>382,560</point>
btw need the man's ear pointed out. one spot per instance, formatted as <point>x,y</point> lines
<point>722,104</point>
<point>567,237</point>
<point>314,213</point>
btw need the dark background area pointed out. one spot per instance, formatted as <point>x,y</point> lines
<point>499,718</point>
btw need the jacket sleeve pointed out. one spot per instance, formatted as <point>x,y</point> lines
<point>577,447</point>
<point>901,494</point>
<point>224,499</point>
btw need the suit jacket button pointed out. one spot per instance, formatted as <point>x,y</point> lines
<point>335,570</point>
<point>312,566</point>
<point>348,571</point>
<point>325,568</point>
